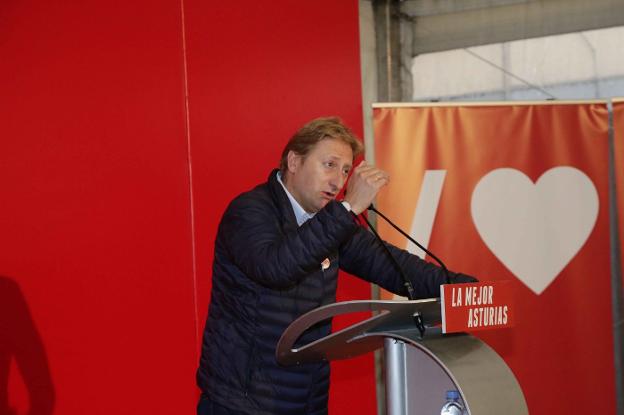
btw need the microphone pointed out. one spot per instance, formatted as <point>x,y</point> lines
<point>428,252</point>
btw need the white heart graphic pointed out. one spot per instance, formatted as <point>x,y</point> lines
<point>535,229</point>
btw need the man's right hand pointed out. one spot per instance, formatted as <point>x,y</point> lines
<point>363,186</point>
<point>459,278</point>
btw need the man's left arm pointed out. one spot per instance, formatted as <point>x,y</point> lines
<point>364,256</point>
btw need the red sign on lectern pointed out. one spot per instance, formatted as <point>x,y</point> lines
<point>477,306</point>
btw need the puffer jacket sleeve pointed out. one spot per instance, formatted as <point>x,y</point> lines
<point>364,256</point>
<point>274,256</point>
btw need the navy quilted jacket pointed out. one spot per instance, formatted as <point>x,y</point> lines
<point>266,273</point>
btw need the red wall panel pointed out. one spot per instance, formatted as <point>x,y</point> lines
<point>257,72</point>
<point>94,218</point>
<point>98,286</point>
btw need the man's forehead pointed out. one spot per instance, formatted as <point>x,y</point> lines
<point>334,155</point>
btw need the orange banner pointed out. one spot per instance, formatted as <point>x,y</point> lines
<point>520,193</point>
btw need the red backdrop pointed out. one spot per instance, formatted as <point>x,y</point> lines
<point>105,235</point>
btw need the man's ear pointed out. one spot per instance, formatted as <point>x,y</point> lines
<point>294,160</point>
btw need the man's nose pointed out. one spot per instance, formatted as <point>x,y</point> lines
<point>337,180</point>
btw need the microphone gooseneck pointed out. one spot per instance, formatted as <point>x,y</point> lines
<point>406,282</point>
<point>428,252</point>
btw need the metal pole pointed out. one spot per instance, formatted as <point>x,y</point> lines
<point>396,377</point>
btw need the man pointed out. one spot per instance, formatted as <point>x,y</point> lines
<point>277,255</point>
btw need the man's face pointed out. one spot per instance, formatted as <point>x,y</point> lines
<point>318,177</point>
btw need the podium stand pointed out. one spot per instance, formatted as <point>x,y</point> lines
<point>420,366</point>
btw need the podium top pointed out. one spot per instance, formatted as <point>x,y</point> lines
<point>392,319</point>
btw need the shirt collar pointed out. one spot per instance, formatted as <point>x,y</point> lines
<point>300,214</point>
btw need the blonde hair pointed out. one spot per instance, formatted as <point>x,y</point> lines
<point>315,131</point>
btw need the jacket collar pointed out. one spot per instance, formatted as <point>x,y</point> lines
<point>279,196</point>
<point>300,214</point>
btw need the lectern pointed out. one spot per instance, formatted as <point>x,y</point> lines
<point>421,362</point>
